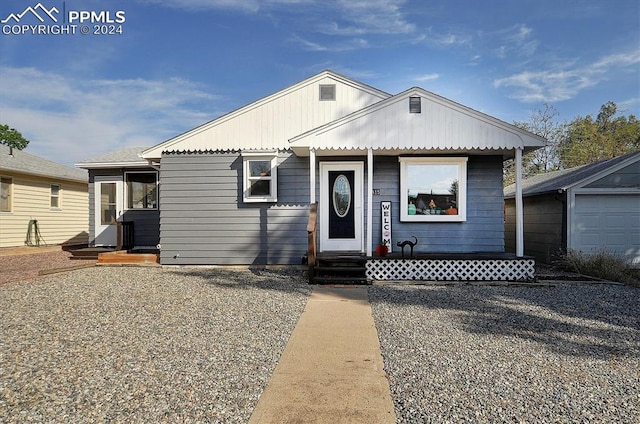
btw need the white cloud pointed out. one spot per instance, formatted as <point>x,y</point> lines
<point>565,80</point>
<point>427,77</point>
<point>85,118</point>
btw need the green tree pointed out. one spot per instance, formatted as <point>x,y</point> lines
<point>589,140</point>
<point>12,137</point>
<point>542,122</point>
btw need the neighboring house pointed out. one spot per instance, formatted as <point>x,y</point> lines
<point>587,208</point>
<point>36,189</point>
<point>237,190</point>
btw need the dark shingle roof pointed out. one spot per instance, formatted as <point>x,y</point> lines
<point>125,155</point>
<point>25,163</point>
<point>564,178</point>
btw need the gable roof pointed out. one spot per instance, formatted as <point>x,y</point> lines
<point>565,179</point>
<point>252,127</point>
<point>25,163</point>
<point>128,156</point>
<point>441,126</point>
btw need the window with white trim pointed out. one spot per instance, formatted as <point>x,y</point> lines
<point>6,192</point>
<point>433,189</point>
<point>55,196</point>
<point>260,173</point>
<point>141,190</point>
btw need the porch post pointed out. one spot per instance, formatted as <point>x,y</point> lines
<point>519,206</point>
<point>369,201</point>
<point>312,176</point>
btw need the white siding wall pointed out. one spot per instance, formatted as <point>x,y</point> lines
<point>69,224</point>
<point>269,124</point>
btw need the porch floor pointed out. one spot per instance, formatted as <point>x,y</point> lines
<point>111,256</point>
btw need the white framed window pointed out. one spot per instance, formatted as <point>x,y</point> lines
<point>141,190</point>
<point>55,196</point>
<point>260,177</point>
<point>433,189</point>
<point>6,194</point>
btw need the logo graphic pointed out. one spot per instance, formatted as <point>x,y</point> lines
<point>40,20</point>
<point>34,11</point>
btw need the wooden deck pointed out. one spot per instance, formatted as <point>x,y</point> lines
<point>111,256</point>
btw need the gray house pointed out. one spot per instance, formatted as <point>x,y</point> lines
<point>382,168</point>
<point>587,208</point>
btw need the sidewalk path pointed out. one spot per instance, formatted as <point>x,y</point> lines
<point>331,370</point>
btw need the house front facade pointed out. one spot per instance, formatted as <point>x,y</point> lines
<point>381,169</point>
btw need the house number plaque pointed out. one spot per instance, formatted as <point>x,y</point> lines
<point>385,225</point>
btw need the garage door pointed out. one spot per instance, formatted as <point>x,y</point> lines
<point>607,221</point>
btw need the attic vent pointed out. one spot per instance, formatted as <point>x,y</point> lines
<point>327,92</point>
<point>414,105</point>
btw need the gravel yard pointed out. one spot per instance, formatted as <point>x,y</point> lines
<point>486,354</point>
<point>143,344</point>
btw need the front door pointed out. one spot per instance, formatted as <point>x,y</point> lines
<point>108,208</point>
<point>341,212</point>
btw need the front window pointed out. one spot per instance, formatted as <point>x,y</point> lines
<point>433,189</point>
<point>142,190</point>
<point>260,177</point>
<point>5,194</point>
<point>55,196</point>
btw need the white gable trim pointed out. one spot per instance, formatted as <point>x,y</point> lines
<point>174,144</point>
<point>423,132</point>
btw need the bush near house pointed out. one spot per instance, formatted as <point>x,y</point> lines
<point>601,264</point>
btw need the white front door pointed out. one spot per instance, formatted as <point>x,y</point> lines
<point>341,211</point>
<point>108,208</point>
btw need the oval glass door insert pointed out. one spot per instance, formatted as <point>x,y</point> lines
<point>341,195</point>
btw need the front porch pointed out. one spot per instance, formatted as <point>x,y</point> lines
<point>354,268</point>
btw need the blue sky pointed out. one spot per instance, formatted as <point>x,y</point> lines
<point>180,63</point>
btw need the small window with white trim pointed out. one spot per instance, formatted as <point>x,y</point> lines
<point>260,172</point>
<point>6,193</point>
<point>55,196</point>
<point>433,189</point>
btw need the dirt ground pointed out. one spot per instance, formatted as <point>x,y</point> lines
<point>25,263</point>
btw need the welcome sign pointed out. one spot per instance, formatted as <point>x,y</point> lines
<point>385,214</point>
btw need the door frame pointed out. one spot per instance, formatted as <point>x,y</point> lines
<point>345,245</point>
<point>106,235</point>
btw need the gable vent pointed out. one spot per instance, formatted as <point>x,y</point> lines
<point>327,92</point>
<point>414,105</point>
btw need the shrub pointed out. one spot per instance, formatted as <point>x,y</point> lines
<point>600,264</point>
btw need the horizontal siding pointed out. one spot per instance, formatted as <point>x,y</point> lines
<point>542,222</point>
<point>203,219</point>
<point>68,224</point>
<point>483,229</point>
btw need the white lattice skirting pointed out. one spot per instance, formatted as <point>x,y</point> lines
<point>451,269</point>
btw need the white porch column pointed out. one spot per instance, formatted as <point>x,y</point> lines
<point>312,176</point>
<point>369,201</point>
<point>519,206</point>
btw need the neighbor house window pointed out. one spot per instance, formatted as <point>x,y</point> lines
<point>55,196</point>
<point>433,189</point>
<point>6,184</point>
<point>142,190</point>
<point>260,177</point>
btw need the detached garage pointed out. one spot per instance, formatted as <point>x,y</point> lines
<point>587,208</point>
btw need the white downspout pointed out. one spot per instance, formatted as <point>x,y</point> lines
<point>369,201</point>
<point>519,206</point>
<point>312,176</point>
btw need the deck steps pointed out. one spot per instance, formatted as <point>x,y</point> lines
<point>123,257</point>
<point>340,270</point>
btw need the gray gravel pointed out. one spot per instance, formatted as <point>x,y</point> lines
<point>143,344</point>
<point>484,354</point>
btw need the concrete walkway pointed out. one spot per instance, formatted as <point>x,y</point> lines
<point>331,370</point>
